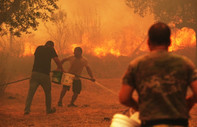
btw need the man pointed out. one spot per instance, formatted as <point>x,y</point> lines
<point>161,80</point>
<point>77,63</point>
<point>40,75</point>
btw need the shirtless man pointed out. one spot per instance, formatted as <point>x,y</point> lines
<point>77,63</point>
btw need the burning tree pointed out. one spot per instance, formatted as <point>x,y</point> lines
<point>182,13</point>
<point>58,29</point>
<point>86,31</point>
<point>67,34</point>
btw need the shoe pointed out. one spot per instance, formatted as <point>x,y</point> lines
<point>53,110</point>
<point>26,113</point>
<point>72,105</point>
<point>60,104</point>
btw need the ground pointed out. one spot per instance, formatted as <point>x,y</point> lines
<point>96,106</point>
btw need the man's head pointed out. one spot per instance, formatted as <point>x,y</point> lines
<point>78,52</point>
<point>159,35</point>
<point>49,43</point>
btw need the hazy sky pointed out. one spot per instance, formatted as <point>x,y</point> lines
<point>113,15</point>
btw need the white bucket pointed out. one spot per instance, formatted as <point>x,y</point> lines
<point>135,117</point>
<point>67,79</point>
<point>120,120</point>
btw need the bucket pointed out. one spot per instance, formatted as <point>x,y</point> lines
<point>57,77</point>
<point>135,117</point>
<point>67,79</point>
<point>120,120</point>
<point>61,78</point>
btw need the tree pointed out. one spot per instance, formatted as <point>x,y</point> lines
<point>183,13</point>
<point>19,16</point>
<point>58,29</point>
<point>3,73</point>
<point>83,30</point>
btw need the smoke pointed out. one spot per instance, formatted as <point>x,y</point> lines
<point>113,14</point>
<point>105,26</point>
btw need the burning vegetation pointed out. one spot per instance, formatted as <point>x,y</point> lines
<point>125,45</point>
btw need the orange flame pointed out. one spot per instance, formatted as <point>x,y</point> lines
<point>183,38</point>
<point>99,51</point>
<point>125,44</point>
<point>129,44</point>
<point>28,50</point>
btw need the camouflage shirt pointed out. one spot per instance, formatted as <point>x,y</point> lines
<point>161,80</point>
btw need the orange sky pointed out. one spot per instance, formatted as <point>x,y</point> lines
<point>113,14</point>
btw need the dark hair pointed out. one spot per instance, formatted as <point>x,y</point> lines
<point>78,49</point>
<point>159,34</point>
<point>49,43</point>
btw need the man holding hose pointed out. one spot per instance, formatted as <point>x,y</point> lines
<point>77,63</point>
<point>41,74</point>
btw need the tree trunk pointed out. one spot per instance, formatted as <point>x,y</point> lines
<point>195,29</point>
<point>11,41</point>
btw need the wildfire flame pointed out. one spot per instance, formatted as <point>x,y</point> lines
<point>183,38</point>
<point>28,50</point>
<point>126,45</point>
<point>99,51</point>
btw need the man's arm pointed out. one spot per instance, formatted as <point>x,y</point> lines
<point>125,97</point>
<point>65,59</point>
<point>58,63</point>
<point>192,99</point>
<point>90,73</point>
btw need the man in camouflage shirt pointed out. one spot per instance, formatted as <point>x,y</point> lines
<point>161,80</point>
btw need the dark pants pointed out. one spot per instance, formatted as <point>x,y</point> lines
<point>36,80</point>
<point>165,123</point>
<point>76,86</point>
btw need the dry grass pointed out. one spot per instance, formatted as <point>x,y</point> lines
<point>96,107</point>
